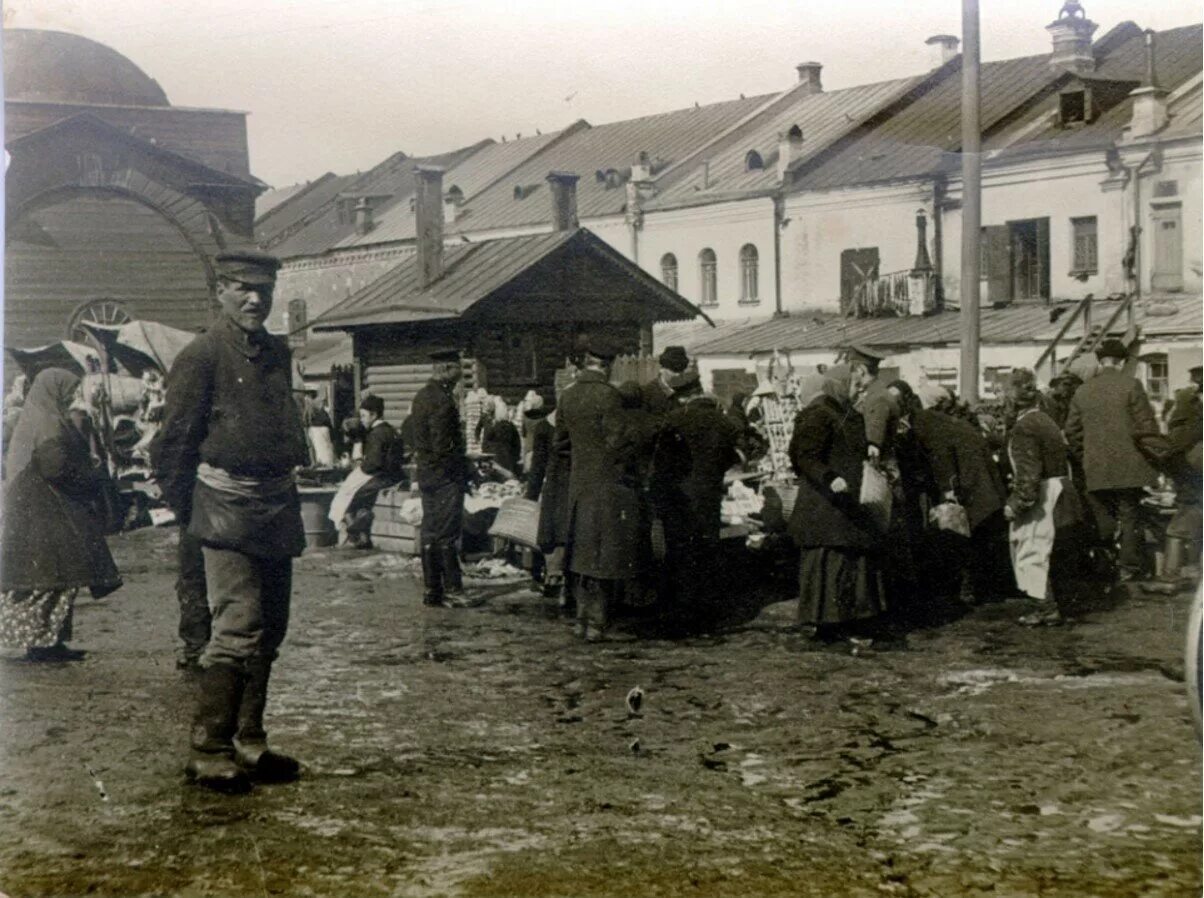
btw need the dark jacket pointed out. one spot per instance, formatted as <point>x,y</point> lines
<point>829,442</point>
<point>1184,428</point>
<point>694,452</point>
<point>230,404</point>
<point>554,493</point>
<point>503,442</point>
<point>53,538</point>
<point>605,530</point>
<point>655,398</point>
<point>382,451</point>
<point>957,452</point>
<point>1038,452</point>
<point>1109,415</point>
<point>541,455</point>
<point>438,441</point>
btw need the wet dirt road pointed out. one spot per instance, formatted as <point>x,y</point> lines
<point>485,753</point>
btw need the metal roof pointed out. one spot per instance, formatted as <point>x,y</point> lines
<point>471,175</point>
<point>270,199</point>
<point>1019,323</point>
<point>667,138</point>
<point>473,272</point>
<point>292,212</point>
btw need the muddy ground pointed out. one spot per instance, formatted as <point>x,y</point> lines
<point>485,753</point>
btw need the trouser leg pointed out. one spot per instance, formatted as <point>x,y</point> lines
<point>432,574</point>
<point>211,762</point>
<point>1131,533</point>
<point>191,594</point>
<point>442,519</point>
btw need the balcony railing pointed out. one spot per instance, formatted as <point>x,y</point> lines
<point>899,293</point>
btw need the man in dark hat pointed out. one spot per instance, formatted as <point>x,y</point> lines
<point>604,548</point>
<point>695,450</point>
<point>658,394</point>
<point>224,460</point>
<point>443,475</point>
<point>1110,428</point>
<point>1056,401</point>
<point>876,403</point>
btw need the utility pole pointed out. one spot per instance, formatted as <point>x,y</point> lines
<point>971,201</point>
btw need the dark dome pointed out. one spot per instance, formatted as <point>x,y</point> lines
<point>56,67</point>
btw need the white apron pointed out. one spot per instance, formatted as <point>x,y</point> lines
<point>1031,539</point>
<point>347,490</point>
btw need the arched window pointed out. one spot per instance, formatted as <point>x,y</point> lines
<point>669,271</point>
<point>748,273</point>
<point>707,274</point>
<point>753,161</point>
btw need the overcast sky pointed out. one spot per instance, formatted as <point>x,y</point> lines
<point>337,85</point>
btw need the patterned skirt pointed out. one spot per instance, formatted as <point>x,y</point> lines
<point>36,618</point>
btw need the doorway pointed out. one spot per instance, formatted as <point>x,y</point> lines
<point>1166,272</point>
<point>1029,240</point>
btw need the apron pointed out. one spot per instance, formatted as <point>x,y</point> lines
<point>356,478</point>
<point>1031,539</point>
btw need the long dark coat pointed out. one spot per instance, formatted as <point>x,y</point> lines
<point>604,509</point>
<point>437,437</point>
<point>541,457</point>
<point>1183,429</point>
<point>554,497</point>
<point>695,450</point>
<point>956,451</point>
<point>1108,415</point>
<point>829,442</point>
<point>53,537</point>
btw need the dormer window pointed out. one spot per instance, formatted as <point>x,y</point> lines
<point>753,161</point>
<point>1072,108</point>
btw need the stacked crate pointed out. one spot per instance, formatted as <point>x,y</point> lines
<point>389,532</point>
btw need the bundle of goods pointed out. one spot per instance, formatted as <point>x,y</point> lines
<point>491,495</point>
<point>740,502</point>
<point>474,403</point>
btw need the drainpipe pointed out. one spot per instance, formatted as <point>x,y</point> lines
<point>779,217</point>
<point>938,239</point>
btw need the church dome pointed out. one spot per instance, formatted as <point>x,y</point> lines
<point>56,67</point>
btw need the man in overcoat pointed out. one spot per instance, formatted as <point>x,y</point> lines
<point>603,548</point>
<point>657,394</point>
<point>443,475</point>
<point>224,460</point>
<point>1110,418</point>
<point>694,452</point>
<point>1184,428</point>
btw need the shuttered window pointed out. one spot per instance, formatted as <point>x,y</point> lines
<point>1086,245</point>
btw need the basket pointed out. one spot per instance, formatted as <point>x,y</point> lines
<point>518,521</point>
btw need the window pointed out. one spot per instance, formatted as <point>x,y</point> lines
<point>1072,107</point>
<point>1163,189</point>
<point>522,360</point>
<point>995,380</point>
<point>669,271</point>
<point>1157,378</point>
<point>1086,245</point>
<point>748,274</point>
<point>944,377</point>
<point>708,276</point>
<point>753,161</point>
<point>295,322</point>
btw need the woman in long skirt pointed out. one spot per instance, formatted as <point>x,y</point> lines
<point>840,571</point>
<point>53,538</point>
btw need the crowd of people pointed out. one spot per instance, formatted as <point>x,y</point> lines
<point>905,496</point>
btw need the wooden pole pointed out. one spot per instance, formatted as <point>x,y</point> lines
<point>971,201</point>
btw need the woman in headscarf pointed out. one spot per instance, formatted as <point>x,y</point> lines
<point>840,572</point>
<point>53,540</point>
<point>1043,507</point>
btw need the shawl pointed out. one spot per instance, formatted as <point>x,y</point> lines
<point>43,418</point>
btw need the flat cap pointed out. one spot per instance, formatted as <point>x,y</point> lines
<point>858,352</point>
<point>1112,349</point>
<point>247,266</point>
<point>674,359</point>
<point>445,355</point>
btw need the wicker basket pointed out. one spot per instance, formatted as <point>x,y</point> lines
<point>518,521</point>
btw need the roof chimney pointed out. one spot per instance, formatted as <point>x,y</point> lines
<point>641,169</point>
<point>563,186</point>
<point>452,200</point>
<point>944,48</point>
<point>1071,33</point>
<point>428,222</point>
<point>1149,100</point>
<point>363,216</point>
<point>808,74</point>
<point>790,148</point>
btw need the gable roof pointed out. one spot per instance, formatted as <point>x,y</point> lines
<point>323,226</point>
<point>275,196</point>
<point>472,175</point>
<point>287,217</point>
<point>546,266</point>
<point>667,138</point>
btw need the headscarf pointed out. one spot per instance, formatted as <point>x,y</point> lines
<point>810,388</point>
<point>838,382</point>
<point>43,418</point>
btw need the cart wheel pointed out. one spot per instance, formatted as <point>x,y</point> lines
<point>1194,662</point>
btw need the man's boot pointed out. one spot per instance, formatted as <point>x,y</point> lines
<point>453,577</point>
<point>211,764</point>
<point>251,751</point>
<point>432,575</point>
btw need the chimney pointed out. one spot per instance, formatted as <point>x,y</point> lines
<point>363,216</point>
<point>428,223</point>
<point>808,74</point>
<point>944,48</point>
<point>452,201</point>
<point>641,170</point>
<point>563,186</point>
<point>1149,100</point>
<point>1071,33</point>
<point>790,148</point>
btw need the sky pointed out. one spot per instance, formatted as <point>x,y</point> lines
<point>338,85</point>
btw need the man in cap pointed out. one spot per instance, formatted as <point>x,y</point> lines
<point>604,548</point>
<point>658,394</point>
<point>224,460</point>
<point>443,474</point>
<point>1185,428</point>
<point>1109,422</point>
<point>694,452</point>
<point>877,406</point>
<point>1056,401</point>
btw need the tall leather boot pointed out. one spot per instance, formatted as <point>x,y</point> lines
<point>432,575</point>
<point>453,577</point>
<point>251,751</point>
<point>211,763</point>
